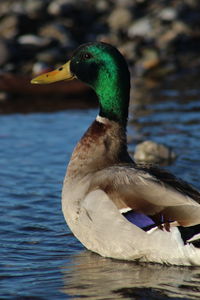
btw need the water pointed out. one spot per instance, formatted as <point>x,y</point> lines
<point>39,257</point>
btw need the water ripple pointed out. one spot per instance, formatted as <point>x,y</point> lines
<point>39,257</point>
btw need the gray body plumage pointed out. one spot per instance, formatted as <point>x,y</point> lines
<point>102,179</point>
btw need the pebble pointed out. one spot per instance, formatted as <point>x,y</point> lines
<point>151,152</point>
<point>14,7</point>
<point>9,68</point>
<point>4,96</point>
<point>39,68</point>
<point>9,27</point>
<point>61,7</point>
<point>142,27</point>
<point>50,57</point>
<point>34,40</point>
<point>168,14</point>
<point>102,6</point>
<point>120,19</point>
<point>34,9</point>
<point>149,60</point>
<point>55,31</point>
<point>129,50</point>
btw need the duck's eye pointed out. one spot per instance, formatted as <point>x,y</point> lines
<point>86,56</point>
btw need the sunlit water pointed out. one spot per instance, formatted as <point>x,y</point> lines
<point>39,257</point>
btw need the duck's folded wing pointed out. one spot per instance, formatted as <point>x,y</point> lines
<point>150,193</point>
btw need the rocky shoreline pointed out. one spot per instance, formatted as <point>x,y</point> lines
<point>158,38</point>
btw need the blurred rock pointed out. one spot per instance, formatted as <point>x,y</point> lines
<point>62,7</point>
<point>142,27</point>
<point>55,31</point>
<point>176,29</point>
<point>120,19</point>
<point>4,9</point>
<point>52,56</point>
<point>14,25</point>
<point>102,6</point>
<point>9,68</point>
<point>129,50</point>
<point>151,152</point>
<point>168,14</point>
<point>34,9</point>
<point>39,68</point>
<point>9,7</point>
<point>151,58</point>
<point>148,60</point>
<point>9,26</point>
<point>34,40</point>
<point>4,96</point>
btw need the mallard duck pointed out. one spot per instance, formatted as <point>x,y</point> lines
<point>115,207</point>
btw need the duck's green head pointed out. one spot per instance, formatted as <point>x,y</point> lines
<point>102,67</point>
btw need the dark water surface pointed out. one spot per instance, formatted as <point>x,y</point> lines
<point>39,257</point>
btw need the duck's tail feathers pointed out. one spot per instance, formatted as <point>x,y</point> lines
<point>191,235</point>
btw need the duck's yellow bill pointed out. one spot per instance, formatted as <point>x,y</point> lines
<point>62,73</point>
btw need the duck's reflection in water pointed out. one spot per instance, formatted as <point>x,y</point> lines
<point>93,277</point>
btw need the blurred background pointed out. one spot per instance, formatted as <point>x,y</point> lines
<point>40,258</point>
<point>158,38</point>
